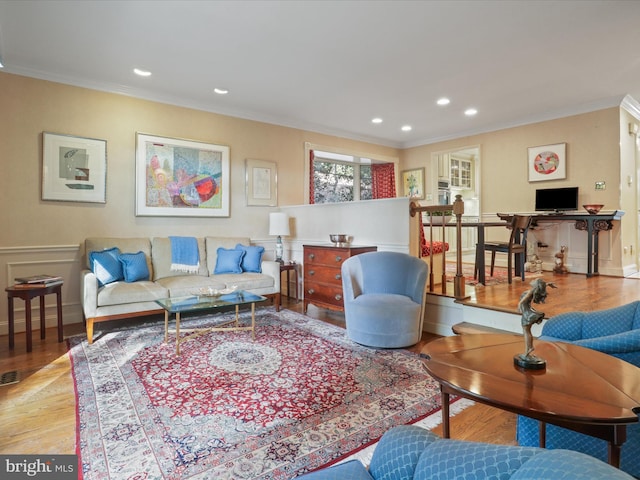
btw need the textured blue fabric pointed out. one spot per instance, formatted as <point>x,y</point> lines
<point>252,260</point>
<point>561,438</point>
<point>566,465</point>
<point>451,459</point>
<point>412,453</point>
<point>398,452</point>
<point>229,261</point>
<point>184,251</point>
<point>384,294</point>
<point>106,266</point>
<point>351,470</point>
<point>134,266</point>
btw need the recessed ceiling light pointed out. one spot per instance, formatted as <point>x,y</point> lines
<point>470,112</point>
<point>376,120</point>
<point>142,73</point>
<point>221,91</point>
<point>406,128</point>
<point>443,101</point>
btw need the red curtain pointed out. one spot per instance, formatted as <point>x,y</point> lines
<point>311,189</point>
<point>383,180</point>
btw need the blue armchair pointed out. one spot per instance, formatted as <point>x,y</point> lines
<point>384,295</point>
<point>615,331</point>
<point>409,452</point>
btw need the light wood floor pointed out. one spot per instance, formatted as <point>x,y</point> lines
<point>37,414</point>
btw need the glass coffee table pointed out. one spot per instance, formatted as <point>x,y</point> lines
<point>197,303</point>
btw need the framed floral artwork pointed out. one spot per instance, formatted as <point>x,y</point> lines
<point>181,178</point>
<point>547,162</point>
<point>413,183</point>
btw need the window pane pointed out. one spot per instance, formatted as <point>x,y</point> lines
<point>332,182</point>
<point>366,190</point>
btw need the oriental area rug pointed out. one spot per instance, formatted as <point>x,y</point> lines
<point>298,397</point>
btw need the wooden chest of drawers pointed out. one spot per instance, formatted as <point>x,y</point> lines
<point>322,276</point>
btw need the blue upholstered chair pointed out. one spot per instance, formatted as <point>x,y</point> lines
<point>615,331</point>
<point>412,453</point>
<point>384,296</point>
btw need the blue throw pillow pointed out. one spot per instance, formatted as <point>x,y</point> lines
<point>106,266</point>
<point>134,266</point>
<point>229,261</point>
<point>252,260</point>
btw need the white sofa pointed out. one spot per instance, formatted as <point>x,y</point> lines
<point>122,300</point>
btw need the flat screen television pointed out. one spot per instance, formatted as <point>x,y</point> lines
<point>556,199</point>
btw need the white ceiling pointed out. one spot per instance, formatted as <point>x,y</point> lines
<point>331,66</point>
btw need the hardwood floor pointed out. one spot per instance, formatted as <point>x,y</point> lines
<point>37,414</point>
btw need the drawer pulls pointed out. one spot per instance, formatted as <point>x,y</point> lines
<point>338,258</point>
<point>338,297</point>
<point>312,256</point>
<point>338,276</point>
<point>312,272</point>
<point>311,291</point>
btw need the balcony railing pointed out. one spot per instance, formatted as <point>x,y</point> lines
<point>435,216</point>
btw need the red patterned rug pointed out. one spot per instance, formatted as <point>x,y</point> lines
<point>298,397</point>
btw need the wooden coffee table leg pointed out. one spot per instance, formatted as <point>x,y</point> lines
<point>59,311</point>
<point>27,309</point>
<point>43,327</point>
<point>542,434</point>
<point>178,333</point>
<point>446,432</point>
<point>253,321</point>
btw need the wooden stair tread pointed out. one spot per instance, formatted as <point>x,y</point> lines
<point>467,327</point>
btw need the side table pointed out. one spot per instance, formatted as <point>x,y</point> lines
<point>26,294</point>
<point>290,267</point>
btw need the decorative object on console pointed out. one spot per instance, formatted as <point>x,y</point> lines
<point>547,162</point>
<point>181,178</point>
<point>339,239</point>
<point>530,316</point>
<point>74,169</point>
<point>593,208</point>
<point>560,267</point>
<point>279,225</point>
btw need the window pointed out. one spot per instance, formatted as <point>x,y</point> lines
<point>339,180</point>
<point>334,177</point>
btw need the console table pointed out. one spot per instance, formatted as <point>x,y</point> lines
<point>592,224</point>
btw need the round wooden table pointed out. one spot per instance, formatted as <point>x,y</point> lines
<point>580,389</point>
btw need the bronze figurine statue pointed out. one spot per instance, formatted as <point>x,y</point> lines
<point>530,316</point>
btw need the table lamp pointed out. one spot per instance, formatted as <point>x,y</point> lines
<point>279,225</point>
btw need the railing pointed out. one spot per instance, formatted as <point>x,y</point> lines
<point>457,209</point>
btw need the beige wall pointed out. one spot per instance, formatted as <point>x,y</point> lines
<point>592,154</point>
<point>29,106</point>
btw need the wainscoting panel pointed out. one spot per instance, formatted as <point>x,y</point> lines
<point>62,260</point>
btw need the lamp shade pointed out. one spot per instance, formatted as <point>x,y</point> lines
<point>278,223</point>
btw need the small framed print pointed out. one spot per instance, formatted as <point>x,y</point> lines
<point>261,183</point>
<point>413,183</point>
<point>547,162</point>
<point>74,169</point>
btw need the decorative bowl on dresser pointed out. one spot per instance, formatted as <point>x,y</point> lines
<point>322,276</point>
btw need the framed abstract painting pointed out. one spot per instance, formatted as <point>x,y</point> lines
<point>74,169</point>
<point>181,178</point>
<point>547,162</point>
